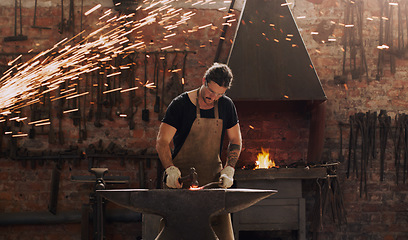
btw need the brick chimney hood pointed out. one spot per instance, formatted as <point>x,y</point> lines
<point>268,57</point>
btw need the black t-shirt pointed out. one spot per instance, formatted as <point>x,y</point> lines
<point>181,114</point>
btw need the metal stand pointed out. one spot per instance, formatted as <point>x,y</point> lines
<point>95,209</point>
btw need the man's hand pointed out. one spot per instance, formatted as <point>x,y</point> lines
<point>172,177</point>
<point>227,177</point>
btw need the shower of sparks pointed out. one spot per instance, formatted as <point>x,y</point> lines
<point>24,83</point>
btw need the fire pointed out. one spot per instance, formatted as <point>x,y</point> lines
<point>195,188</point>
<point>263,160</point>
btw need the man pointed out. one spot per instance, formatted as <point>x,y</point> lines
<point>197,121</point>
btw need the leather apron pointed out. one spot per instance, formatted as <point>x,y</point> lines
<point>201,150</point>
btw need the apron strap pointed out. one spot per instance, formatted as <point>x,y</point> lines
<point>197,104</point>
<point>216,114</point>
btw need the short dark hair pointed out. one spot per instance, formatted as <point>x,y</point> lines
<point>219,73</point>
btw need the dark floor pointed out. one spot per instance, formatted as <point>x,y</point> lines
<point>267,235</point>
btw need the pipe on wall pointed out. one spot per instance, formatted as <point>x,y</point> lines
<point>316,132</point>
<point>117,215</point>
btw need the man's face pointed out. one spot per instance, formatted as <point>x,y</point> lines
<point>212,92</point>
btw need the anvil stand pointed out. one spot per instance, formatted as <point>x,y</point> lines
<point>96,204</point>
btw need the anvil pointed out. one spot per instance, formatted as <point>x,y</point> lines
<point>186,212</point>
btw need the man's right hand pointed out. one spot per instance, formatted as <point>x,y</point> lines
<point>173,175</point>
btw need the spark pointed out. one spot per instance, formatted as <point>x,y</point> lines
<point>170,35</point>
<point>164,48</point>
<point>77,95</point>
<point>113,74</point>
<point>208,25</point>
<point>112,90</point>
<point>70,110</point>
<point>20,135</point>
<point>383,47</point>
<point>92,9</point>
<point>229,16</point>
<point>285,4</point>
<point>128,89</point>
<point>39,121</point>
<point>42,124</point>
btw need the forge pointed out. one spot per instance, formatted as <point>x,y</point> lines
<point>187,213</point>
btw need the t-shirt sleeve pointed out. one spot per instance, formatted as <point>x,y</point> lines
<point>232,116</point>
<point>174,113</point>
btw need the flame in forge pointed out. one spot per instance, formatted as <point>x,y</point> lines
<point>263,160</point>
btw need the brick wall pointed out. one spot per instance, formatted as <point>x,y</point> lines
<point>382,214</point>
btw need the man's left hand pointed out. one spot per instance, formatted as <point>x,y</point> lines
<point>227,177</point>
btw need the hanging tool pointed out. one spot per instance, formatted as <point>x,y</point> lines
<point>397,139</point>
<point>60,115</point>
<point>145,111</point>
<point>345,41</point>
<point>83,132</point>
<point>92,100</point>
<point>353,40</point>
<point>161,113</point>
<point>385,125</point>
<point>224,31</point>
<point>131,111</point>
<point>78,113</point>
<point>82,10</point>
<point>55,182</point>
<point>173,87</point>
<point>341,157</point>
<point>405,126</point>
<point>70,24</point>
<point>360,20</point>
<point>361,121</point>
<point>16,37</point>
<point>390,38</point>
<point>99,95</point>
<point>108,102</point>
<point>35,18</point>
<point>51,134</point>
<point>400,32</point>
<point>183,73</point>
<point>156,83</point>
<point>61,25</point>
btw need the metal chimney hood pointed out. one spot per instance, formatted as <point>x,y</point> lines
<point>269,59</point>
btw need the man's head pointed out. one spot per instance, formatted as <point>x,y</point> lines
<point>217,79</point>
<point>219,73</point>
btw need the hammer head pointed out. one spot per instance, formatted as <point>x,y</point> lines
<point>192,178</point>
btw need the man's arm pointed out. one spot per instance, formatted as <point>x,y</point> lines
<point>235,144</point>
<point>164,137</point>
<point>234,149</point>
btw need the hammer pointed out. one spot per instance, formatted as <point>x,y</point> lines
<point>192,177</point>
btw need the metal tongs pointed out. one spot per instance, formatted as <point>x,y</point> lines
<point>211,184</point>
